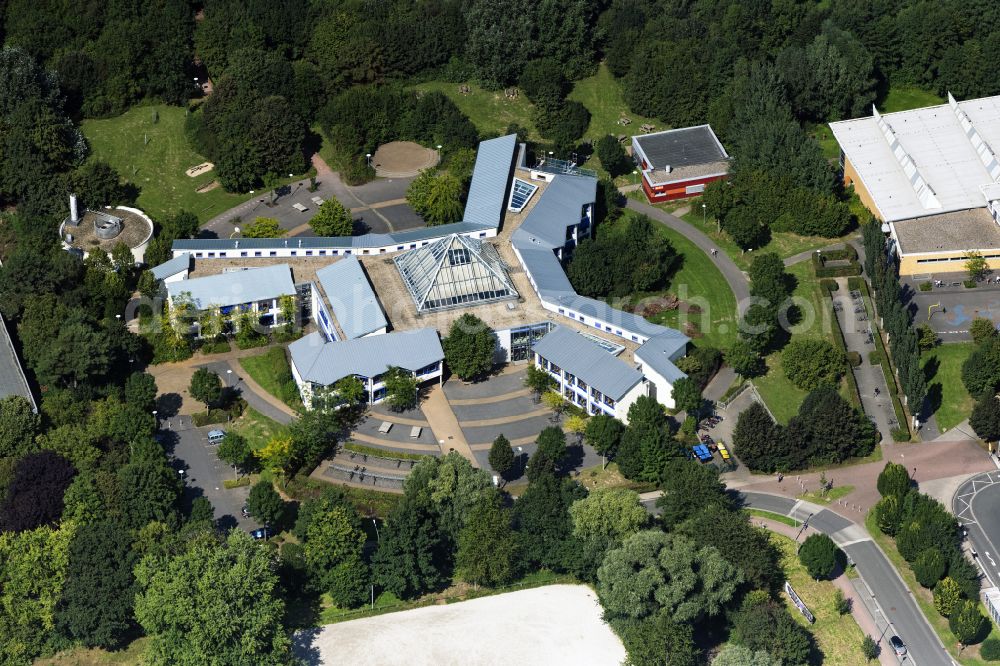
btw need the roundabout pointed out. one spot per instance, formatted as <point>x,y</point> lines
<point>403,159</point>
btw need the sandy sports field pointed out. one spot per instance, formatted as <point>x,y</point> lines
<point>543,626</point>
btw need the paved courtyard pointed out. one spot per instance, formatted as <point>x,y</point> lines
<point>556,624</point>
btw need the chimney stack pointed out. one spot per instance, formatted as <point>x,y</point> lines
<point>74,213</point>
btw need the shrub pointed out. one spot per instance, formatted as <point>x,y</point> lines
<point>900,435</point>
<point>990,650</point>
<point>829,285</point>
<point>854,358</point>
<point>841,604</point>
<point>874,357</point>
<point>969,284</point>
<point>894,479</point>
<point>236,483</point>
<point>968,623</point>
<point>929,567</point>
<point>811,363</point>
<point>819,555</point>
<point>947,594</point>
<point>926,286</point>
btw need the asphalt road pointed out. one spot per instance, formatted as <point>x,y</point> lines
<point>204,472</point>
<point>977,505</point>
<point>893,599</point>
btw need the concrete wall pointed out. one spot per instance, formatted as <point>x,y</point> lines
<point>663,388</point>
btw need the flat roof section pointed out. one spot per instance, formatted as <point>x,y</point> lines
<point>682,147</point>
<point>958,231</point>
<point>938,148</point>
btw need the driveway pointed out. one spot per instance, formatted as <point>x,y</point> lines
<point>977,506</point>
<point>889,595</point>
<point>204,472</point>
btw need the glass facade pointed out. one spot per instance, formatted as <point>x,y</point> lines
<point>522,339</point>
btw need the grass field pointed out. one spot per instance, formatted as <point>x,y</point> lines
<point>272,372</point>
<point>257,428</point>
<point>945,390</point>
<point>782,397</point>
<point>158,166</point>
<point>130,654</point>
<point>832,495</point>
<point>925,599</point>
<point>837,636</point>
<point>904,98</point>
<point>602,95</point>
<point>489,110</point>
<point>784,244</point>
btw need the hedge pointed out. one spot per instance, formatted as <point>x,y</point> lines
<point>219,415</point>
<point>382,453</point>
<point>854,359</point>
<point>841,344</point>
<point>236,483</point>
<point>848,253</point>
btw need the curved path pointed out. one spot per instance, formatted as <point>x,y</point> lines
<point>892,599</point>
<point>730,271</point>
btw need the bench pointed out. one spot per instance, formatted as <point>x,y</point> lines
<point>385,427</point>
<point>415,432</point>
<point>299,207</point>
<point>318,201</point>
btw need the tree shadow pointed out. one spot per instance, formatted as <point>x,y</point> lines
<point>931,368</point>
<point>304,646</point>
<point>573,459</point>
<point>932,401</point>
<point>226,523</point>
<point>168,404</point>
<point>207,233</point>
<point>360,227</point>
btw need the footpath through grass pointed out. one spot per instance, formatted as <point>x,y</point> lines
<point>838,637</point>
<point>946,393</point>
<point>698,282</point>
<point>155,156</point>
<point>272,372</point>
<point>925,599</point>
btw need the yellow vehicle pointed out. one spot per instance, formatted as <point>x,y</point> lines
<point>723,451</point>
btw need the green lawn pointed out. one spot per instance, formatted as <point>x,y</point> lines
<point>903,98</point>
<point>784,244</point>
<point>925,599</point>
<point>782,397</point>
<point>943,370</point>
<point>489,110</point>
<point>602,95</point>
<point>779,517</point>
<point>81,656</point>
<point>257,428</point>
<point>823,135</point>
<point>838,636</point>
<point>835,493</point>
<point>158,166</point>
<point>699,282</point>
<point>272,372</point>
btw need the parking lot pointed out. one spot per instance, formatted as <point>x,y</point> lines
<point>203,472</point>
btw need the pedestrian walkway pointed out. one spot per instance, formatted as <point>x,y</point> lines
<point>501,420</point>
<point>875,397</point>
<point>803,256</point>
<point>730,271</point>
<point>445,425</point>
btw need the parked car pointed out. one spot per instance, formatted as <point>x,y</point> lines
<point>898,645</point>
<point>216,436</point>
<point>261,534</point>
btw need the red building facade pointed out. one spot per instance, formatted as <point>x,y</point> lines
<point>679,163</point>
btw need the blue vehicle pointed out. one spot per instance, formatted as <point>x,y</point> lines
<point>702,453</point>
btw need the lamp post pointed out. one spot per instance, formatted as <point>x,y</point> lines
<point>378,539</point>
<point>236,230</point>
<point>368,160</point>
<point>155,420</point>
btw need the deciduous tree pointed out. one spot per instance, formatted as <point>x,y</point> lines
<point>818,554</point>
<point>809,363</point>
<point>18,426</point>
<point>470,347</point>
<point>400,389</point>
<point>332,219</point>
<point>487,546</point>
<point>501,456</point>
<point>35,494</point>
<point>215,602</point>
<point>266,505</point>
<point>608,515</point>
<point>205,386</point>
<point>604,433</point>
<point>412,557</point>
<point>263,227</point>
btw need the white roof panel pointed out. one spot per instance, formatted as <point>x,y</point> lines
<point>943,153</point>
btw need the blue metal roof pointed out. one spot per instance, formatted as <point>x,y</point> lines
<point>545,269</point>
<point>325,363</point>
<point>172,267</point>
<point>236,287</point>
<point>659,351</point>
<point>560,207</point>
<point>351,297</point>
<point>12,379</point>
<point>588,361</point>
<point>487,198</point>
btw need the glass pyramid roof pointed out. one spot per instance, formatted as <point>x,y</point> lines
<point>453,272</point>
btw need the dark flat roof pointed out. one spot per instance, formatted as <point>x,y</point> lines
<point>688,146</point>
